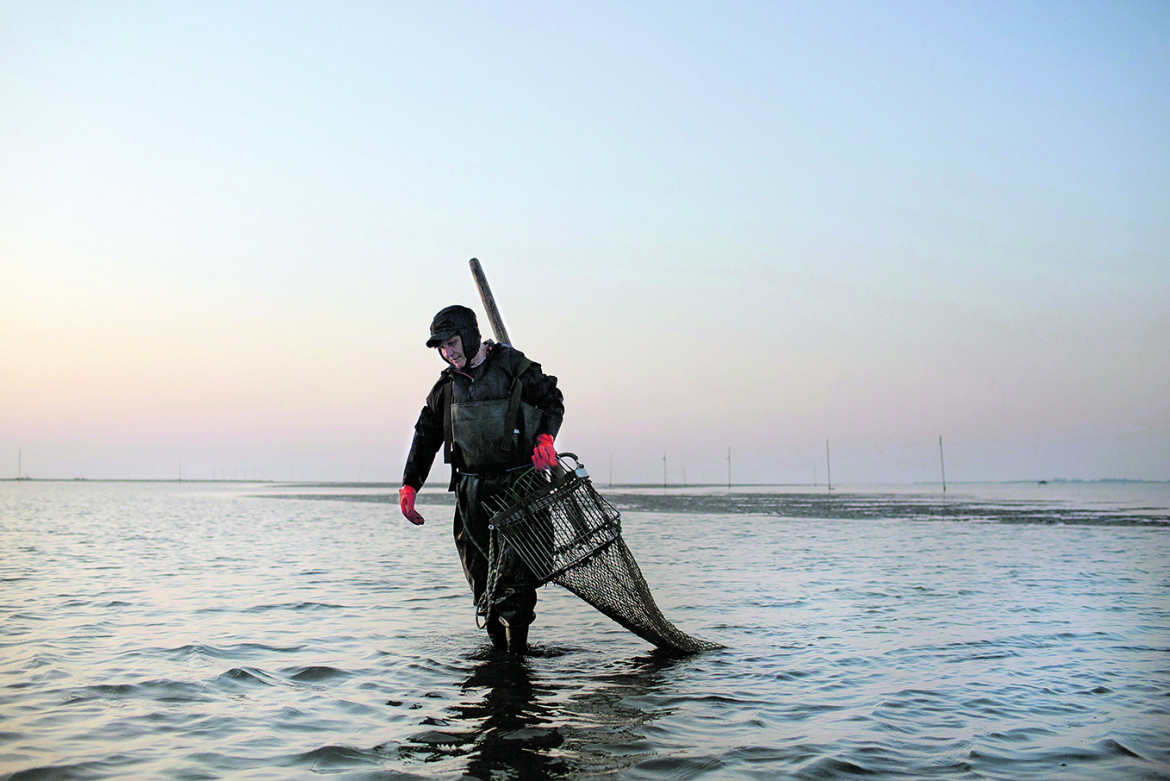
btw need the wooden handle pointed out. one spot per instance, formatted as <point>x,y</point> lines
<point>489,303</point>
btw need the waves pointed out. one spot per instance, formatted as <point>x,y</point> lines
<point>580,715</point>
<point>229,636</point>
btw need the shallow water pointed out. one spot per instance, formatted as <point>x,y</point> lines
<point>259,631</point>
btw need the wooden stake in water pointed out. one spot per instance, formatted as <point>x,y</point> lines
<point>828,466</point>
<point>942,465</point>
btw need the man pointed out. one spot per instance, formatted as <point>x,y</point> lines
<point>496,414</point>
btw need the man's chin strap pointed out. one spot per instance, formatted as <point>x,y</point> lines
<point>480,356</point>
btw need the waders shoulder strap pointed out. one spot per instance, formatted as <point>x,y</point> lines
<point>448,430</point>
<point>513,419</point>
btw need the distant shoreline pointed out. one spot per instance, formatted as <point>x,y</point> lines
<point>395,486</point>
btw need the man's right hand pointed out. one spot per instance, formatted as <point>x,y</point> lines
<point>406,496</point>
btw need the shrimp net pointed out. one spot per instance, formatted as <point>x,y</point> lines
<point>567,534</point>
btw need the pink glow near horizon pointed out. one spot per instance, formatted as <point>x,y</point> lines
<point>220,259</point>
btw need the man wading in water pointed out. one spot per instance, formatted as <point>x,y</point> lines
<point>495,413</point>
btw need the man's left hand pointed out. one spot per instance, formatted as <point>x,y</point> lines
<point>544,456</point>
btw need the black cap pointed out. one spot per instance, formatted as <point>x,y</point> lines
<point>453,320</point>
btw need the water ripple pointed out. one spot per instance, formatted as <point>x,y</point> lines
<point>195,632</point>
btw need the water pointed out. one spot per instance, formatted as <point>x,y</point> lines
<point>261,631</point>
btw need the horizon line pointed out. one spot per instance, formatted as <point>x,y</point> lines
<point>382,483</point>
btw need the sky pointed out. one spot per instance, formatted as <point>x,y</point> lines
<point>753,228</point>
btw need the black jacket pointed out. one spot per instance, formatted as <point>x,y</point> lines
<point>489,381</point>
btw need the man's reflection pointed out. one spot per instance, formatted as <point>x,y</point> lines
<point>514,731</point>
<point>508,726</point>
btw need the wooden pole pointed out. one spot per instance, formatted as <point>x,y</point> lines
<point>828,465</point>
<point>942,465</point>
<point>489,303</point>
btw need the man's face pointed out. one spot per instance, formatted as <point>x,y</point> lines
<point>452,351</point>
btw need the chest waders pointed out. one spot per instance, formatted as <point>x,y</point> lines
<point>488,444</point>
<point>493,435</point>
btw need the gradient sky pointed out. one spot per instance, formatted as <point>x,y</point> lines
<point>224,228</point>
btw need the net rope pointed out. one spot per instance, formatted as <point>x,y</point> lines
<point>566,533</point>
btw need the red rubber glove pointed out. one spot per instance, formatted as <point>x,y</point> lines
<point>406,496</point>
<point>544,455</point>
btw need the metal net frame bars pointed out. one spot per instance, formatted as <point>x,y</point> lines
<point>566,533</point>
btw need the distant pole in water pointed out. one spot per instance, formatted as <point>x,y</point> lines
<point>729,469</point>
<point>828,465</point>
<point>942,465</point>
<point>664,469</point>
<point>814,474</point>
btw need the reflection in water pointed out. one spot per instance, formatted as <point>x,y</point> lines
<point>500,726</point>
<point>514,731</point>
<point>615,739</point>
<point>508,725</point>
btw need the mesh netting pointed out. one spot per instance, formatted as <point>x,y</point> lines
<point>567,534</point>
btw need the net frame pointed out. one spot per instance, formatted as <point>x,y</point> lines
<point>555,521</point>
<point>566,533</point>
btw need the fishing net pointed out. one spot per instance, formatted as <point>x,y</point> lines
<point>566,533</point>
